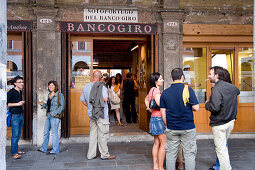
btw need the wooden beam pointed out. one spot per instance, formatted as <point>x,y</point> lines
<point>217,38</point>
<point>214,29</point>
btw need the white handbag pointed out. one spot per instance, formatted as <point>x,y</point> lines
<point>114,99</point>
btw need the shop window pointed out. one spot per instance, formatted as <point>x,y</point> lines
<point>81,64</point>
<point>14,45</point>
<point>245,84</point>
<point>82,46</point>
<point>14,60</point>
<point>223,58</point>
<point>9,44</point>
<point>194,68</point>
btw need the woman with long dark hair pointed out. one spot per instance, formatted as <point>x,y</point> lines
<point>156,126</point>
<point>54,106</point>
<point>114,90</point>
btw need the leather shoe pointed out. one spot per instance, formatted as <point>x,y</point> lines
<point>39,150</point>
<point>50,153</point>
<point>110,157</point>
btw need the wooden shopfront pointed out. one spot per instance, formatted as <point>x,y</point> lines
<point>107,47</point>
<point>19,63</point>
<point>229,46</point>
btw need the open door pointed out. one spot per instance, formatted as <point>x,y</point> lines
<point>81,69</point>
<point>147,63</point>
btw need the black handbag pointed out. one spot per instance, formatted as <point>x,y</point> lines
<point>153,104</point>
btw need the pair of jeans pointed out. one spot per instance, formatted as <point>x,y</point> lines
<point>187,139</point>
<point>17,124</point>
<point>221,134</point>
<point>51,123</point>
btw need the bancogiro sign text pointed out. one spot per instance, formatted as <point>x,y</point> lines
<point>130,28</point>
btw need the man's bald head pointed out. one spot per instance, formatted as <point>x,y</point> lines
<point>97,75</point>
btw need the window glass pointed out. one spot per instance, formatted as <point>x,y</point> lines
<point>245,86</point>
<point>194,68</point>
<point>81,64</point>
<point>14,61</point>
<point>223,58</point>
<point>82,45</point>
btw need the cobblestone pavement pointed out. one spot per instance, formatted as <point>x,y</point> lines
<point>129,156</point>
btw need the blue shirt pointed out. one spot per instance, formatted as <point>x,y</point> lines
<point>178,116</point>
<point>85,97</point>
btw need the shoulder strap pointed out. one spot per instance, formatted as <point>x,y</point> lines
<point>58,100</point>
<point>152,96</point>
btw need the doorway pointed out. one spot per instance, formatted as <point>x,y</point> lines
<point>110,55</point>
<point>19,63</point>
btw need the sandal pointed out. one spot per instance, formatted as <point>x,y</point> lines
<point>16,156</point>
<point>20,152</point>
<point>120,124</point>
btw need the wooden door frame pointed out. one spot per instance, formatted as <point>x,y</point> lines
<point>27,66</point>
<point>67,38</point>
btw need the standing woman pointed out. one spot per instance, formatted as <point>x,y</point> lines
<point>54,106</point>
<point>120,81</point>
<point>156,126</point>
<point>114,90</point>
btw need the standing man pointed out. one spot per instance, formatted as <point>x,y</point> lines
<point>223,108</point>
<point>176,105</point>
<point>95,96</point>
<point>15,103</point>
<point>129,98</point>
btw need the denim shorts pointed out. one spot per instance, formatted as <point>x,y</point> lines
<point>156,126</point>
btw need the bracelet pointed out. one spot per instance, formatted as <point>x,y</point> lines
<point>148,108</point>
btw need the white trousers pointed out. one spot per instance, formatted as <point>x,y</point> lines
<point>220,136</point>
<point>99,135</point>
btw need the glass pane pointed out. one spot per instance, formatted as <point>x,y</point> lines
<point>223,58</point>
<point>245,86</point>
<point>14,61</point>
<point>194,67</point>
<point>81,63</point>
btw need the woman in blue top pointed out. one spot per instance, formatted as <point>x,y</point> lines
<point>54,106</point>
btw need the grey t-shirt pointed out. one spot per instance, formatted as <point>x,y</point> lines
<point>85,97</point>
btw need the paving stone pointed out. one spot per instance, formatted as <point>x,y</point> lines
<point>132,162</point>
<point>104,163</point>
<point>129,156</point>
<point>140,167</point>
<point>76,165</point>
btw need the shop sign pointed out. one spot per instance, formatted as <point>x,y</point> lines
<point>19,25</point>
<point>95,27</point>
<point>110,15</point>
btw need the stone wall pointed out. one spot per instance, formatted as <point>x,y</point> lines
<point>47,41</point>
<point>3,46</point>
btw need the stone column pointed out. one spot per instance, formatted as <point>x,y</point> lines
<point>48,63</point>
<point>3,46</point>
<point>172,38</point>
